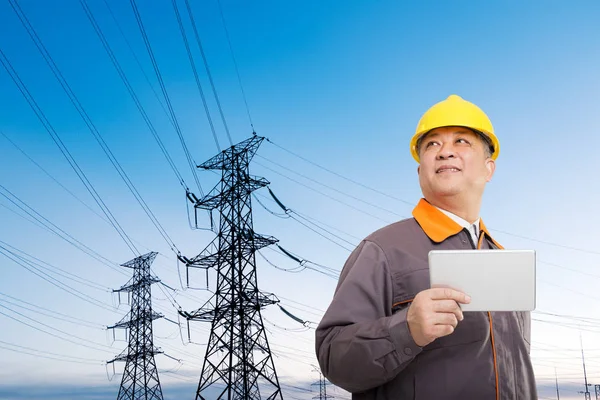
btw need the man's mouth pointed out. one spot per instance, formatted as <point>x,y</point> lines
<point>446,169</point>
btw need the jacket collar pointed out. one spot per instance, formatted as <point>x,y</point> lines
<point>438,226</point>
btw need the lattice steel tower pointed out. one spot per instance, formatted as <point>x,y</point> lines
<point>238,363</point>
<point>322,383</point>
<point>140,378</point>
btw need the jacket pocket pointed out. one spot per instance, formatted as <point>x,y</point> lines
<point>408,284</point>
<point>473,328</point>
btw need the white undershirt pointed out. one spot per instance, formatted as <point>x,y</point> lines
<point>472,228</point>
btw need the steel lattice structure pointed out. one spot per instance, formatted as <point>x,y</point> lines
<point>238,363</point>
<point>140,378</point>
<point>322,388</point>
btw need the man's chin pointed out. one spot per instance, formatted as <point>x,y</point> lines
<point>446,192</point>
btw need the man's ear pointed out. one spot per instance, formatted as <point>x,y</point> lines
<point>490,165</point>
<point>419,169</point>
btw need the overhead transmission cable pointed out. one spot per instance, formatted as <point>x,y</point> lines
<point>412,204</point>
<point>54,135</point>
<point>48,355</point>
<point>56,270</point>
<point>91,345</point>
<point>97,135</point>
<point>57,230</point>
<point>212,83</point>
<point>329,187</point>
<point>291,212</point>
<point>165,93</point>
<point>237,70</point>
<point>130,89</point>
<point>193,65</point>
<point>51,313</point>
<point>53,281</point>
<point>6,63</point>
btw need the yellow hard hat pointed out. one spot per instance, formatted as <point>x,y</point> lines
<point>455,111</point>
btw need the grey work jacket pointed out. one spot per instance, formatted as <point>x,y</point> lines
<point>363,344</point>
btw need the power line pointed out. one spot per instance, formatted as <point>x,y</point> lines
<point>413,205</point>
<point>319,223</point>
<point>38,222</point>
<point>302,304</point>
<point>508,233</point>
<point>73,195</point>
<point>311,220</point>
<point>212,84</point>
<point>584,319</point>
<point>302,265</point>
<point>548,243</point>
<point>53,281</point>
<point>56,270</point>
<point>237,71</point>
<point>51,356</point>
<point>193,65</point>
<point>50,315</point>
<point>330,187</point>
<point>169,116</point>
<point>93,346</point>
<point>51,177</point>
<point>339,175</point>
<point>57,230</point>
<point>290,213</point>
<point>128,86</point>
<point>323,194</point>
<point>320,234</point>
<point>570,290</point>
<point>92,127</point>
<point>137,60</point>
<point>56,138</point>
<point>55,313</point>
<point>165,94</point>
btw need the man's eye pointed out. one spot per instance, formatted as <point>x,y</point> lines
<point>462,140</point>
<point>430,144</point>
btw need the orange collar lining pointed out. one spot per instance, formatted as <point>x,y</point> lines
<point>438,226</point>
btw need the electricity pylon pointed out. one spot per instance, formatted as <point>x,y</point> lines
<point>140,378</point>
<point>238,363</point>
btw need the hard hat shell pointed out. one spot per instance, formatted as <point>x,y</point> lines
<point>455,111</point>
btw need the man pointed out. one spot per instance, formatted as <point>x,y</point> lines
<point>387,335</point>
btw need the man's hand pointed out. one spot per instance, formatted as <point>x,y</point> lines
<point>435,313</point>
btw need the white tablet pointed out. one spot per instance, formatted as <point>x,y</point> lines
<point>496,280</point>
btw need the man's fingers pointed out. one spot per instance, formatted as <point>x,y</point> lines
<point>449,294</point>
<point>448,306</point>
<point>442,330</point>
<point>446,319</point>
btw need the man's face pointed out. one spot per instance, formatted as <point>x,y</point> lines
<point>453,162</point>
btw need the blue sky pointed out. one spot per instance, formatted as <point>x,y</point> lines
<point>340,83</point>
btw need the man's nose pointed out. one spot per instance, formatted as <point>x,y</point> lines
<point>446,151</point>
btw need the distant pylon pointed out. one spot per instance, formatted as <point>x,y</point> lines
<point>238,364</point>
<point>557,391</point>
<point>322,386</point>
<point>140,378</point>
<point>586,393</point>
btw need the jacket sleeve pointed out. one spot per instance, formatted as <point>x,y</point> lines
<point>360,344</point>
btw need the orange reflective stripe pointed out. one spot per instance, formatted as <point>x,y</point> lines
<point>402,302</point>
<point>494,355</point>
<point>483,228</point>
<point>480,241</point>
